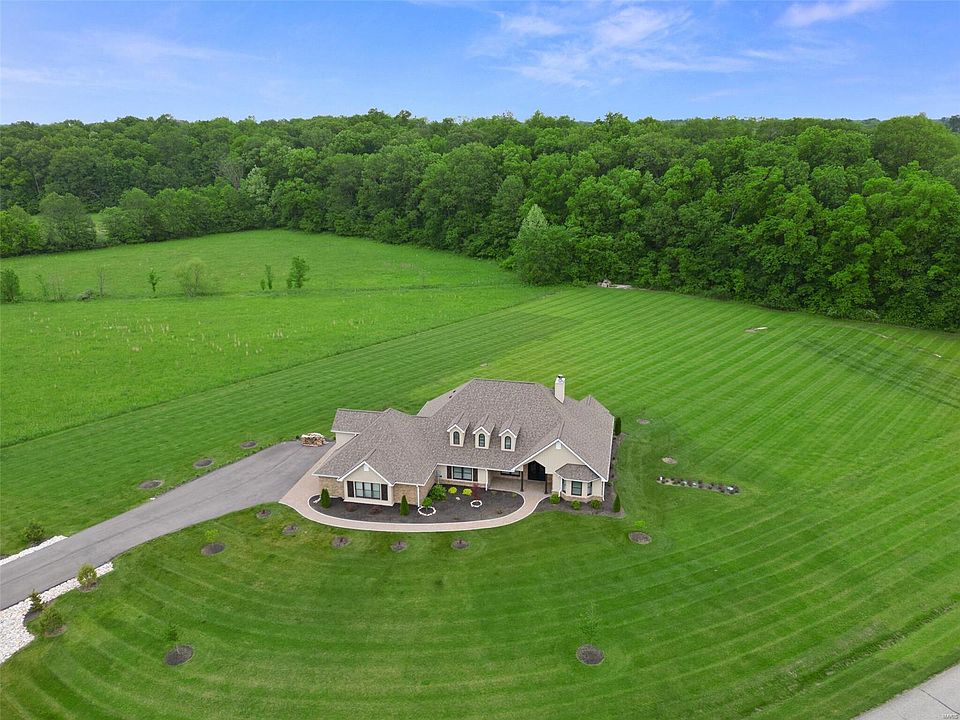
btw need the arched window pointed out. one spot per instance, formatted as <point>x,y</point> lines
<point>507,442</point>
<point>456,438</point>
<point>481,440</point>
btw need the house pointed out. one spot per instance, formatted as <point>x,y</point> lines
<point>483,432</point>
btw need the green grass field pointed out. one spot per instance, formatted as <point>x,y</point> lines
<point>826,587</point>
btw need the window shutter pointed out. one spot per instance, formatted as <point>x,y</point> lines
<point>383,492</point>
<point>350,488</point>
<point>473,474</point>
<point>449,472</point>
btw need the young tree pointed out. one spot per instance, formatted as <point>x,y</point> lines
<point>404,506</point>
<point>194,278</point>
<point>616,503</point>
<point>298,273</point>
<point>33,533</point>
<point>50,620</point>
<point>101,279</point>
<point>268,277</point>
<point>325,498</point>
<point>153,278</point>
<point>36,603</point>
<point>87,576</point>
<point>9,286</point>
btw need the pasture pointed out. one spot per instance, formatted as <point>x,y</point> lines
<point>825,587</point>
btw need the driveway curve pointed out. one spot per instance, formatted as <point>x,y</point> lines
<point>265,476</point>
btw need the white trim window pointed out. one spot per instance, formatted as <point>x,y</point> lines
<point>366,490</point>
<point>455,472</point>
<point>456,439</point>
<point>576,488</point>
<point>481,440</point>
<point>507,442</point>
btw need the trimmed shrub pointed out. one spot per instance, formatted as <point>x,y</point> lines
<point>33,533</point>
<point>36,603</point>
<point>452,490</point>
<point>210,535</point>
<point>616,425</point>
<point>325,498</point>
<point>9,286</point>
<point>640,524</point>
<point>616,503</point>
<point>87,576</point>
<point>404,506</point>
<point>595,503</point>
<point>554,499</point>
<point>427,502</point>
<point>50,620</point>
<point>575,504</point>
<point>467,491</point>
<point>437,492</point>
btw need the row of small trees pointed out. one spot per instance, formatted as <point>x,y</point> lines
<point>193,276</point>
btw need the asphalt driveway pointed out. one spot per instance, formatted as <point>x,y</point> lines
<point>265,476</point>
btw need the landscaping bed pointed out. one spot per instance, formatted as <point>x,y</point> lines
<point>606,506</point>
<point>455,507</point>
<point>716,487</point>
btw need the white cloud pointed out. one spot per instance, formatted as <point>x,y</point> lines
<point>804,14</point>
<point>530,25</point>
<point>635,24</point>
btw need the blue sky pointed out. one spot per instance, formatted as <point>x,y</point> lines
<point>853,58</point>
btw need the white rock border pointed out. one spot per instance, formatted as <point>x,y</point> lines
<point>476,503</point>
<point>426,511</point>
<point>14,635</point>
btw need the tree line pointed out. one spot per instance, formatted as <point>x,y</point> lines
<point>846,218</point>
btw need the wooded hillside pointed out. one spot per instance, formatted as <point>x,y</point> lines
<point>853,219</point>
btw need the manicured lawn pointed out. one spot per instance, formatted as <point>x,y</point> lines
<point>828,585</point>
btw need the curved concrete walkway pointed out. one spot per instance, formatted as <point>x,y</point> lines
<point>262,477</point>
<point>299,499</point>
<point>936,699</point>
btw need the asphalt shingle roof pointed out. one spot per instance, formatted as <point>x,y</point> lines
<point>407,448</point>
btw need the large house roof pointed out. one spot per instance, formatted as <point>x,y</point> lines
<point>407,448</point>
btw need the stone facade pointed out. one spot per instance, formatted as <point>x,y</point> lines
<point>333,487</point>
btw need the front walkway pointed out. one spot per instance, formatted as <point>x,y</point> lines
<point>299,499</point>
<point>936,699</point>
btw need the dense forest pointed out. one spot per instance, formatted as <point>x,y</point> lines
<point>851,219</point>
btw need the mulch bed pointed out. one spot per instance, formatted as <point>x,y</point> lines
<point>150,484</point>
<point>398,546</point>
<point>179,655</point>
<point>56,631</point>
<point>453,508</point>
<point>247,444</point>
<point>716,487</point>
<point>212,548</point>
<point>203,462</point>
<point>640,538</point>
<point>263,514</point>
<point>290,529</point>
<point>589,654</point>
<point>459,544</point>
<point>340,541</point>
<point>669,460</point>
<point>643,421</point>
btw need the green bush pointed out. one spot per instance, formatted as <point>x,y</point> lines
<point>33,533</point>
<point>616,425</point>
<point>404,506</point>
<point>50,620</point>
<point>452,490</point>
<point>194,278</point>
<point>210,535</point>
<point>325,498</point>
<point>9,286</point>
<point>298,273</point>
<point>172,633</point>
<point>437,492</point>
<point>427,502</point>
<point>616,503</point>
<point>554,499</point>
<point>595,503</point>
<point>640,525</point>
<point>575,504</point>
<point>467,491</point>
<point>87,576</point>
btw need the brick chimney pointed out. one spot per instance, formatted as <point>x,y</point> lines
<point>559,388</point>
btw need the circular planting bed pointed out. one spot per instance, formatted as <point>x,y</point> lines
<point>247,444</point>
<point>179,655</point>
<point>399,546</point>
<point>263,514</point>
<point>203,462</point>
<point>669,460</point>
<point>150,484</point>
<point>426,511</point>
<point>476,503</point>
<point>459,544</point>
<point>640,538</point>
<point>340,541</point>
<point>643,421</point>
<point>290,529</point>
<point>212,548</point>
<point>589,654</point>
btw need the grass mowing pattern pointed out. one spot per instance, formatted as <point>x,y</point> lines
<point>827,586</point>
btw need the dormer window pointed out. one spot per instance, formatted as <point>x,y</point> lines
<point>456,439</point>
<point>507,442</point>
<point>481,440</point>
<point>455,432</point>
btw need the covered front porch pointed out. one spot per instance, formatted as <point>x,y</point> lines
<point>531,477</point>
